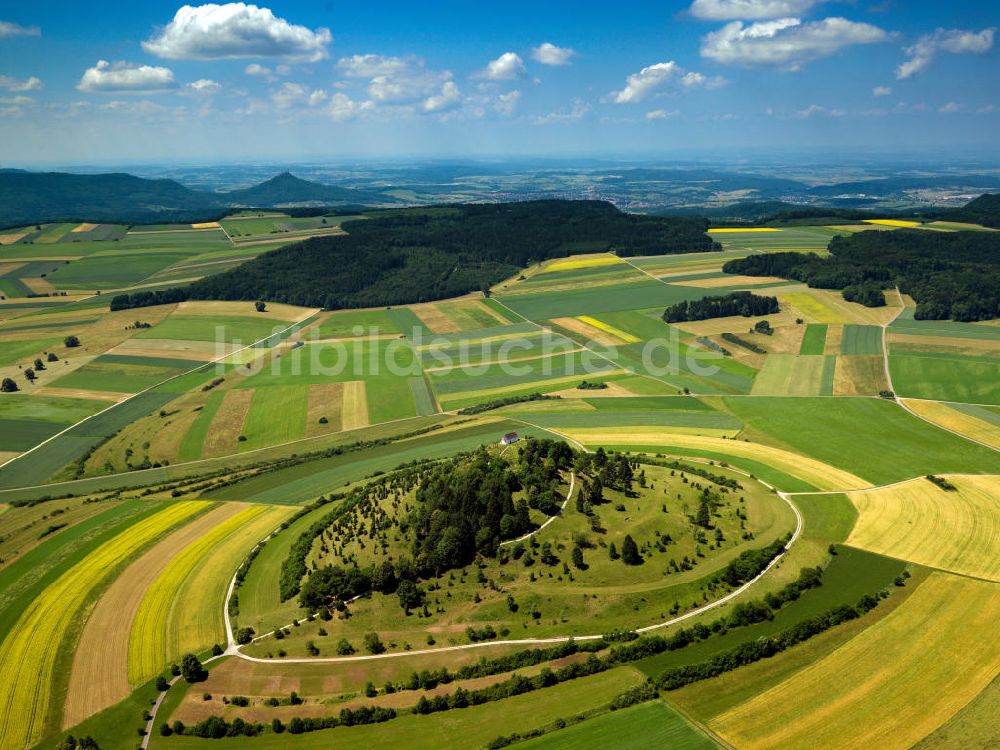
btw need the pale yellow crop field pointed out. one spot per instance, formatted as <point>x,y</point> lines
<point>29,652</point>
<point>957,531</point>
<point>952,419</point>
<point>888,687</point>
<point>99,677</point>
<point>628,338</point>
<point>815,472</point>
<point>148,647</point>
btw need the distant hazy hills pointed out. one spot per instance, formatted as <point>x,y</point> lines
<point>34,197</point>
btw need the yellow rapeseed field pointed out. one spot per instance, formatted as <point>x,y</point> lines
<point>893,223</point>
<point>628,338</point>
<point>147,648</point>
<point>29,652</point>
<point>574,265</point>
<point>740,230</point>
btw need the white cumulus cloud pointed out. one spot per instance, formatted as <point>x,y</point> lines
<point>123,77</point>
<point>957,42</point>
<point>578,109</point>
<point>640,85</point>
<point>549,54</point>
<point>815,109</point>
<point>950,108</point>
<point>445,98</point>
<point>205,86</point>
<point>880,91</point>
<point>370,66</point>
<point>28,84</point>
<point>506,103</point>
<point>749,10</point>
<point>342,107</point>
<point>235,30</point>
<point>507,67</point>
<point>10,29</point>
<point>786,42</point>
<point>661,114</point>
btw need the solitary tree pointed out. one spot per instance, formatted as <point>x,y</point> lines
<point>192,669</point>
<point>578,558</point>
<point>51,357</point>
<point>630,552</point>
<point>29,374</point>
<point>373,644</point>
<point>8,385</point>
<point>39,365</point>
<point>704,518</point>
<point>260,306</point>
<point>71,342</point>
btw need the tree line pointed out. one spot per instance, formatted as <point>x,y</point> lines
<point>413,255</point>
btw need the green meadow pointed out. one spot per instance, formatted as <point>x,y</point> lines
<point>872,438</point>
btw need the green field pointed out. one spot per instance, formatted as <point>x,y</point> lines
<point>347,323</point>
<point>814,341</point>
<point>647,726</point>
<point>277,415</point>
<point>12,351</point>
<point>861,340</point>
<point>225,329</point>
<point>468,729</point>
<point>872,438</point>
<point>850,575</point>
<point>946,377</point>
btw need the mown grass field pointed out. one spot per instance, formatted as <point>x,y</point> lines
<point>852,698</point>
<point>918,521</point>
<point>977,422</point>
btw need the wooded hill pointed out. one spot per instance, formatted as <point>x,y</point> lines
<point>949,275</point>
<point>415,255</point>
<point>34,197</point>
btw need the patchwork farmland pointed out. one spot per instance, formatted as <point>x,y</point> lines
<point>299,527</point>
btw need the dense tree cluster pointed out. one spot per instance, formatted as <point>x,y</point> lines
<point>412,255</point>
<point>746,304</point>
<point>752,562</point>
<point>463,509</point>
<point>952,275</point>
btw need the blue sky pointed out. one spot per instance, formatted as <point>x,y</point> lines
<point>154,81</point>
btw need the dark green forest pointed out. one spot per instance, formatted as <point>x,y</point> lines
<point>415,255</point>
<point>949,275</point>
<point>746,304</point>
